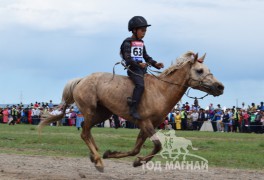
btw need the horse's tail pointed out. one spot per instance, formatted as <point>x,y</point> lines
<point>67,99</point>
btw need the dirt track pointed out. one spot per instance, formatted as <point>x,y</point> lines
<point>42,167</point>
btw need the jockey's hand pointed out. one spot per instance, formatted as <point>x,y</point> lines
<point>159,65</point>
<point>143,65</point>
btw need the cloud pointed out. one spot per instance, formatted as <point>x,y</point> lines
<point>63,39</point>
<point>87,16</point>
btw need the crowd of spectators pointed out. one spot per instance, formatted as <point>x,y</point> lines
<point>182,117</point>
<point>235,119</point>
<point>31,114</point>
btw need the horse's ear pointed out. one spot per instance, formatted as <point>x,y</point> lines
<point>194,57</point>
<point>201,59</point>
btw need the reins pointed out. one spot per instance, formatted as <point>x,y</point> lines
<point>187,94</point>
<point>122,62</point>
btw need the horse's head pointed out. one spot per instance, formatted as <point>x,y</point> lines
<point>201,78</point>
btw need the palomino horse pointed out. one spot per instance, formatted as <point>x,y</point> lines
<point>98,96</point>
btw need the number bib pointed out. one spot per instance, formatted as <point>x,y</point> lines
<point>137,50</point>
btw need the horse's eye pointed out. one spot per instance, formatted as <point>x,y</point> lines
<point>200,71</point>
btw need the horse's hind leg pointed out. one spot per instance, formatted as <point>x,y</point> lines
<point>101,115</point>
<point>89,121</point>
<point>140,141</point>
<point>88,139</point>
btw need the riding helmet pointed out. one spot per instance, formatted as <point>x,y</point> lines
<point>136,22</point>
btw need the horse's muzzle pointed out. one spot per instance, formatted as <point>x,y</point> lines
<point>217,89</point>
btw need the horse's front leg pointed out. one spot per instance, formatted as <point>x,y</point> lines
<point>148,128</point>
<point>140,141</point>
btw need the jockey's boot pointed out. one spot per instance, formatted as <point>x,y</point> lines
<point>133,110</point>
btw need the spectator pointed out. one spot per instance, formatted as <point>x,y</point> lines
<point>183,119</point>
<point>218,117</point>
<point>244,121</point>
<point>213,120</point>
<point>211,108</point>
<point>195,116</point>
<point>29,115</point>
<point>189,120</point>
<point>236,118</point>
<point>177,107</point>
<point>193,108</point>
<point>25,116</point>
<point>36,104</point>
<point>243,106</point>
<point>13,117</point>
<point>72,117</point>
<point>50,104</point>
<point>261,107</point>
<point>258,123</point>
<point>231,120</point>
<point>79,118</point>
<point>253,107</point>
<point>65,121</point>
<point>178,120</point>
<point>201,118</point>
<point>167,125</point>
<point>1,115</point>
<point>187,107</point>
<point>5,115</point>
<point>196,103</point>
<point>171,119</point>
<point>206,115</point>
<point>55,112</point>
<point>19,110</point>
<point>262,120</point>
<point>226,121</point>
<point>116,121</point>
<point>35,114</point>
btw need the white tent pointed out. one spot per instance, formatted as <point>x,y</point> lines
<point>207,126</point>
<point>107,123</point>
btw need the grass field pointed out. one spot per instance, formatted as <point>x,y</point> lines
<point>229,150</point>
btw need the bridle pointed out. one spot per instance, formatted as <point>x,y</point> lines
<point>200,83</point>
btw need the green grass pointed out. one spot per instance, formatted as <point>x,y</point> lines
<point>232,150</point>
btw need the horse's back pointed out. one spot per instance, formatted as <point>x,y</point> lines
<point>107,90</point>
<point>107,81</point>
<point>104,87</point>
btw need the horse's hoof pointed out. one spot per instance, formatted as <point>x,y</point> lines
<point>99,168</point>
<point>137,163</point>
<point>92,158</point>
<point>106,154</point>
<point>99,165</point>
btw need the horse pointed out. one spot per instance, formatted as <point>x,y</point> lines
<point>100,95</point>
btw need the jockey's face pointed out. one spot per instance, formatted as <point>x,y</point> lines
<point>140,32</point>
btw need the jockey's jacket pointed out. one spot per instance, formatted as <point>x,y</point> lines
<point>133,51</point>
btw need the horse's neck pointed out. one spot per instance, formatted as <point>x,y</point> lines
<point>174,91</point>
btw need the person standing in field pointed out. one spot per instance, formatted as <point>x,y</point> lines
<point>5,115</point>
<point>178,120</point>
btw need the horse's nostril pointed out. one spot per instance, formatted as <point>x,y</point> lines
<point>220,87</point>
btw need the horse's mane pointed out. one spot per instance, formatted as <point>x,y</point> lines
<point>180,62</point>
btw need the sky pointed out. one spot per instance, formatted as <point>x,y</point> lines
<point>45,43</point>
